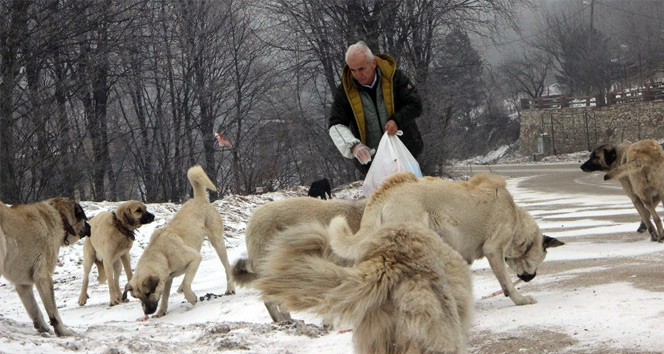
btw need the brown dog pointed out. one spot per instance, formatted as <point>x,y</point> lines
<point>478,218</point>
<point>268,220</point>
<point>643,166</point>
<point>408,292</point>
<point>608,157</point>
<point>175,249</point>
<point>33,234</point>
<point>109,245</point>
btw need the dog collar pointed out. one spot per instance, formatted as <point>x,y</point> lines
<point>124,230</point>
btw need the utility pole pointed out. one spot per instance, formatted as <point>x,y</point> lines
<point>588,48</point>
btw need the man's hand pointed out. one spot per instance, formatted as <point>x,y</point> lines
<point>361,153</point>
<point>391,127</point>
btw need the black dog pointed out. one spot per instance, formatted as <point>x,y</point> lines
<point>319,188</point>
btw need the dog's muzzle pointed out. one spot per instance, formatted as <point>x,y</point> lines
<point>149,307</point>
<point>527,277</point>
<point>147,218</point>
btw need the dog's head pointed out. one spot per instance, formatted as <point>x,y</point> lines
<point>146,287</point>
<point>600,159</point>
<point>74,220</point>
<point>525,256</point>
<point>132,214</point>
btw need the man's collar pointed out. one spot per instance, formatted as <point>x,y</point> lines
<point>374,82</point>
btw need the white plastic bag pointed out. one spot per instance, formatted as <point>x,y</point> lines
<point>391,157</point>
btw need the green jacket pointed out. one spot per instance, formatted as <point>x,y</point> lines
<point>401,98</point>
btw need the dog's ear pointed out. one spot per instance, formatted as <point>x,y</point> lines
<point>610,156</point>
<point>127,289</point>
<point>151,283</point>
<point>548,242</point>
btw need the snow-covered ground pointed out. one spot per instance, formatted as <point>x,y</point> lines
<point>602,292</point>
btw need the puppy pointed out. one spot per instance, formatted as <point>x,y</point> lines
<point>643,166</point>
<point>320,188</point>
<point>110,243</point>
<point>33,234</point>
<point>268,220</point>
<point>409,292</point>
<point>175,249</point>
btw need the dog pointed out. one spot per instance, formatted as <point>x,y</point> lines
<point>32,237</point>
<point>174,250</point>
<point>478,218</point>
<point>268,220</point>
<point>320,188</point>
<point>608,157</point>
<point>408,291</point>
<point>111,240</point>
<point>643,165</point>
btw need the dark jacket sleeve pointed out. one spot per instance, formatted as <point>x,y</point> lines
<point>407,101</point>
<point>341,112</point>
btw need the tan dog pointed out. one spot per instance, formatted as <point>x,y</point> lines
<point>478,218</point>
<point>109,245</point>
<point>608,157</point>
<point>175,249</point>
<point>33,234</point>
<point>643,165</point>
<point>269,219</point>
<point>408,292</point>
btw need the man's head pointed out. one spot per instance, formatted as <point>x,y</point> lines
<point>361,62</point>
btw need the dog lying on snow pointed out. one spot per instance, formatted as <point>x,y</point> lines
<point>408,291</point>
<point>175,249</point>
<point>269,219</point>
<point>30,240</point>
<point>478,218</point>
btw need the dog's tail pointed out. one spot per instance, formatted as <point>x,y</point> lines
<point>241,274</point>
<point>199,181</point>
<point>101,273</point>
<point>636,165</point>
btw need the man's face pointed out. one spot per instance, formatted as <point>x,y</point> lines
<point>363,70</point>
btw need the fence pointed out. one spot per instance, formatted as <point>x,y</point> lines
<point>652,92</point>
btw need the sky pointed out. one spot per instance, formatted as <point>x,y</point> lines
<point>583,306</point>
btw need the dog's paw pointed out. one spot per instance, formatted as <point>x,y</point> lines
<point>62,331</point>
<point>524,300</point>
<point>82,300</point>
<point>230,292</point>
<point>191,297</point>
<point>159,314</point>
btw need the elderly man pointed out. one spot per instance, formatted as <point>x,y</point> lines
<point>373,97</point>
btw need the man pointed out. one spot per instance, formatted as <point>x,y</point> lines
<point>373,97</point>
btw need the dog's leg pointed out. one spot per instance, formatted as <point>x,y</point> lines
<point>88,261</point>
<point>30,304</point>
<point>220,246</point>
<point>117,270</point>
<point>163,306</point>
<point>109,270</point>
<point>276,312</point>
<point>640,208</point>
<point>658,222</point>
<point>189,274</point>
<point>126,264</point>
<point>45,287</point>
<point>496,257</point>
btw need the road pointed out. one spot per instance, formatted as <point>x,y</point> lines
<point>552,178</point>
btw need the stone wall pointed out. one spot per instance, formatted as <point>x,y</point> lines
<point>579,129</point>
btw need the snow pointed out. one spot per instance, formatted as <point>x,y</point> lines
<point>578,311</point>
